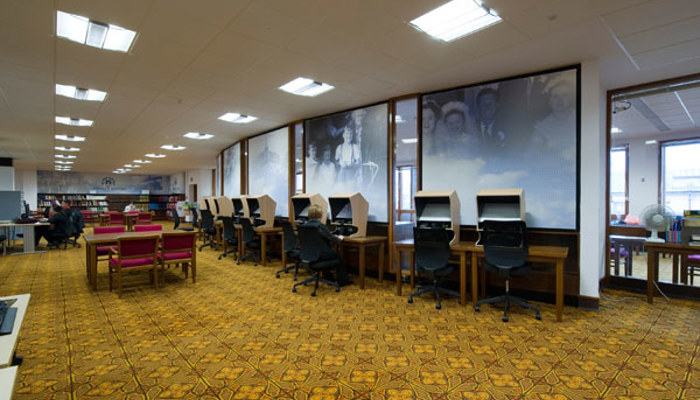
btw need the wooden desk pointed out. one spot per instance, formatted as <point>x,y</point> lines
<point>264,232</point>
<point>28,238</point>
<point>8,343</point>
<point>653,251</point>
<point>629,243</point>
<point>93,241</point>
<point>555,254</point>
<point>362,243</point>
<point>7,382</point>
<point>462,249</point>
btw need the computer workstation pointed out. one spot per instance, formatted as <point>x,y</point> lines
<point>349,212</point>
<point>301,203</point>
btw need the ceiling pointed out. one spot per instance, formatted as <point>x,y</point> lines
<point>193,61</point>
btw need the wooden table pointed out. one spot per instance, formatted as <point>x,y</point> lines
<point>629,243</point>
<point>675,249</point>
<point>362,243</point>
<point>93,241</point>
<point>28,238</point>
<point>264,232</point>
<point>8,343</point>
<point>550,254</point>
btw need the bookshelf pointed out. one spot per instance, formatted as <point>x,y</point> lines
<point>88,202</point>
<point>159,205</point>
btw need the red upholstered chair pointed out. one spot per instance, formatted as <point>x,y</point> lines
<point>693,267</point>
<point>116,219</point>
<point>134,254</point>
<point>179,248</point>
<point>106,249</point>
<point>148,228</point>
<point>144,218</point>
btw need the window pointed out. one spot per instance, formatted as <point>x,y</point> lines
<point>681,175</point>
<point>405,178</point>
<point>618,181</point>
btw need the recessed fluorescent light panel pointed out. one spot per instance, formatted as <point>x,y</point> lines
<point>237,118</point>
<point>80,93</point>
<point>119,171</point>
<point>198,136</point>
<point>142,161</point>
<point>63,148</point>
<point>132,166</point>
<point>65,156</point>
<point>652,141</point>
<point>306,87</point>
<point>73,121</point>
<point>615,130</point>
<point>409,140</point>
<point>64,162</point>
<point>456,19</point>
<point>92,33</point>
<point>172,147</point>
<point>70,138</point>
<point>153,155</point>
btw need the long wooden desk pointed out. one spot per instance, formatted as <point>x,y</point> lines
<point>551,254</point>
<point>8,343</point>
<point>93,241</point>
<point>264,232</point>
<point>362,244</point>
<point>676,250</point>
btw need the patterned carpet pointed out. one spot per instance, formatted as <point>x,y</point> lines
<point>239,333</point>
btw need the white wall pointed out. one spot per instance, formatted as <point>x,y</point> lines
<point>643,175</point>
<point>26,181</point>
<point>201,178</point>
<point>592,202</point>
<point>7,178</point>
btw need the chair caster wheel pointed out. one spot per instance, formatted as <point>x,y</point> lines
<point>238,263</point>
<point>337,289</point>
<point>410,300</point>
<point>294,290</point>
<point>277,275</point>
<point>504,318</point>
<point>538,317</point>
<point>438,306</point>
<point>255,264</point>
<point>313,294</point>
<point>219,258</point>
<point>477,308</point>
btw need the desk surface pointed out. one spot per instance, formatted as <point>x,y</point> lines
<point>7,382</point>
<point>91,238</point>
<point>8,343</point>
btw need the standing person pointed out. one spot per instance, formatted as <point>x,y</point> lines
<point>315,214</point>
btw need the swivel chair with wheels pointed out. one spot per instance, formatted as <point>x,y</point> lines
<point>432,256</point>
<point>176,219</point>
<point>251,241</point>
<point>229,238</point>
<point>312,245</point>
<point>208,230</point>
<point>505,252</point>
<point>290,249</point>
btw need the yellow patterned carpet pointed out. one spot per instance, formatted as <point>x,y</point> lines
<point>239,333</point>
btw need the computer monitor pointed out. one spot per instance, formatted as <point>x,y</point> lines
<point>349,210</point>
<point>237,206</point>
<point>438,209</point>
<point>10,204</point>
<point>301,204</point>
<point>499,205</point>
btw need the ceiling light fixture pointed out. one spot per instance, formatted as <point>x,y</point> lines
<point>70,138</point>
<point>80,93</point>
<point>615,129</point>
<point>172,147</point>
<point>198,136</point>
<point>456,19</point>
<point>119,171</point>
<point>142,161</point>
<point>63,162</point>
<point>409,140</point>
<point>153,155</point>
<point>237,118</point>
<point>306,87</point>
<point>73,121</point>
<point>65,156</point>
<point>132,166</point>
<point>64,148</point>
<point>92,33</point>
<point>652,141</point>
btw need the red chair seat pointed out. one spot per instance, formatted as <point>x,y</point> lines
<point>135,262</point>
<point>174,256</point>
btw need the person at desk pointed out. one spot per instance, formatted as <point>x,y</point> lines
<point>130,208</point>
<point>57,229</point>
<point>315,213</point>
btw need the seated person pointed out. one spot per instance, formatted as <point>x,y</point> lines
<point>57,229</point>
<point>328,253</point>
<point>130,208</point>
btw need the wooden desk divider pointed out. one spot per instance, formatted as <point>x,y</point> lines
<point>301,203</point>
<point>261,207</point>
<point>439,207</point>
<point>351,206</point>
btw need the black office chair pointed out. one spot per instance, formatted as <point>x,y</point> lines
<point>77,224</point>
<point>505,252</point>
<point>208,230</point>
<point>432,256</point>
<point>229,237</point>
<point>311,244</point>
<point>290,249</point>
<point>176,219</point>
<point>251,241</point>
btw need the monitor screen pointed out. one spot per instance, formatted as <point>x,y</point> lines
<point>304,213</point>
<point>253,206</point>
<point>500,211</point>
<point>237,207</point>
<point>345,213</point>
<point>216,205</point>
<point>437,212</point>
<point>301,207</point>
